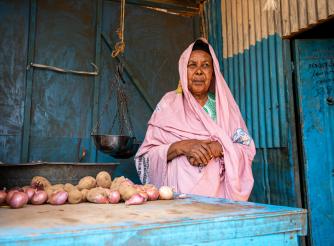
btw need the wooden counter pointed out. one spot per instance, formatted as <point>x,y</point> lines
<point>194,220</point>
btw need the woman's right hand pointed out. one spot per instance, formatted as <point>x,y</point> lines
<point>198,152</point>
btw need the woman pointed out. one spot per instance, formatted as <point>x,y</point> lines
<point>197,141</point>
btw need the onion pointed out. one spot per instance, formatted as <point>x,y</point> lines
<point>30,192</point>
<point>136,199</point>
<point>58,198</point>
<point>16,188</point>
<point>166,193</point>
<point>3,195</point>
<point>18,200</point>
<point>113,196</point>
<point>144,195</point>
<point>9,195</point>
<point>153,193</point>
<point>39,197</point>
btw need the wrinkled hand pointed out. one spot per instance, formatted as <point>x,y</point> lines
<point>216,149</point>
<point>198,152</point>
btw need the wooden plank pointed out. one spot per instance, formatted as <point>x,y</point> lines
<point>302,13</point>
<point>186,7</point>
<point>29,81</point>
<point>311,12</point>
<point>224,27</point>
<point>322,9</point>
<point>294,16</point>
<point>285,18</point>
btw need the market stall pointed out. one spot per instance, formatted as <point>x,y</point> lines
<point>192,220</point>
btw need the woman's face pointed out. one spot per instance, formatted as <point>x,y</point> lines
<point>200,72</point>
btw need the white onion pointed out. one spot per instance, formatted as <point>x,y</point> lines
<point>166,193</point>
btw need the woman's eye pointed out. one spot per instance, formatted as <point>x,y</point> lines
<point>191,65</point>
<point>206,65</point>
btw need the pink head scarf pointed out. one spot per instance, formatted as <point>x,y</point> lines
<point>179,116</point>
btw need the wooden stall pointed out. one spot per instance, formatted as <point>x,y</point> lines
<point>188,221</point>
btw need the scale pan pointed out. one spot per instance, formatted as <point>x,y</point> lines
<point>118,146</point>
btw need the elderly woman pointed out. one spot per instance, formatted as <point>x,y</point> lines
<point>197,141</point>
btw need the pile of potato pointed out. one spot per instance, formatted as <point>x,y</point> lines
<point>101,189</point>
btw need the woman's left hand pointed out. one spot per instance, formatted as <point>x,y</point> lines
<point>216,149</point>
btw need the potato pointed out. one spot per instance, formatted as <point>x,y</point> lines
<point>127,191</point>
<point>87,182</point>
<point>74,196</point>
<point>103,179</point>
<point>97,195</point>
<point>117,182</point>
<point>68,187</point>
<point>84,195</point>
<point>58,186</point>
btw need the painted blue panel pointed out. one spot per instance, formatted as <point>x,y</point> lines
<point>267,81</point>
<point>248,92</point>
<point>256,80</point>
<point>315,81</point>
<point>14,21</point>
<point>192,221</point>
<point>213,15</point>
<point>62,103</point>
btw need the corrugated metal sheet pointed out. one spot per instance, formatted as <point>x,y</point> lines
<point>301,14</point>
<point>253,64</point>
<point>253,68</point>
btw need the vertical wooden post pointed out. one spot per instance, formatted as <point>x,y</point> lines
<point>29,81</point>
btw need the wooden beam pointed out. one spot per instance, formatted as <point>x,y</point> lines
<point>185,6</point>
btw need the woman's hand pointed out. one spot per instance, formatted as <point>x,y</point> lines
<point>216,149</point>
<point>197,151</point>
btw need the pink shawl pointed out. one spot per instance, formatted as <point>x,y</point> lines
<point>179,116</point>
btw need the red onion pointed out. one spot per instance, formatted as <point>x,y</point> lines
<point>39,197</point>
<point>30,192</point>
<point>144,195</point>
<point>3,195</point>
<point>113,196</point>
<point>153,194</point>
<point>136,199</point>
<point>58,198</point>
<point>9,195</point>
<point>18,200</point>
<point>166,193</point>
<point>16,188</point>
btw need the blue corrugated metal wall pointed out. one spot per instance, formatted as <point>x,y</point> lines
<point>253,69</point>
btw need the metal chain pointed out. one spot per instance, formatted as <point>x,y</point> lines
<point>122,112</point>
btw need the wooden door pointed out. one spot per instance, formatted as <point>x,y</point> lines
<point>315,91</point>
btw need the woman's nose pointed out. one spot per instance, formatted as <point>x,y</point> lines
<point>199,71</point>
